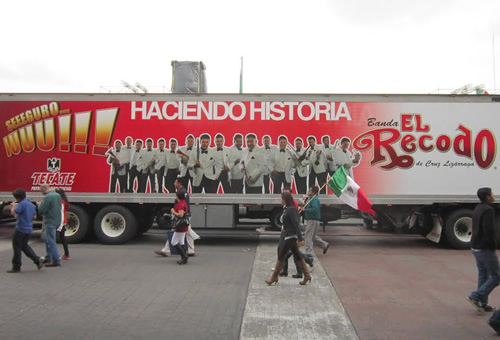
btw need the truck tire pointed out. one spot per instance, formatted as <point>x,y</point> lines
<point>275,219</point>
<point>164,218</point>
<point>78,225</point>
<point>458,228</point>
<point>115,224</point>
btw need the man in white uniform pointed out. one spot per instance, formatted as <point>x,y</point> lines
<point>343,156</point>
<point>233,163</point>
<point>269,153</point>
<point>205,173</point>
<point>252,165</point>
<point>282,172</point>
<point>317,169</point>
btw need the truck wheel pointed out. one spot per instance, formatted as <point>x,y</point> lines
<point>164,218</point>
<point>115,224</point>
<point>275,219</point>
<point>78,225</point>
<point>458,228</point>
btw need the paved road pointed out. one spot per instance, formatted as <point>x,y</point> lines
<point>127,292</point>
<point>404,286</point>
<point>391,287</point>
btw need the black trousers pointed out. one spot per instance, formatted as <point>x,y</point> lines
<point>266,184</point>
<point>62,238</point>
<point>287,246</point>
<point>209,185</point>
<point>301,184</point>
<point>161,179</point>
<point>142,180</point>
<point>321,180</point>
<point>253,190</point>
<point>237,186</point>
<point>133,174</point>
<point>188,178</point>
<point>152,181</point>
<point>170,180</point>
<point>122,180</point>
<point>278,180</point>
<point>224,181</point>
<point>20,244</point>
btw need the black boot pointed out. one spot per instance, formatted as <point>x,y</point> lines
<point>182,252</point>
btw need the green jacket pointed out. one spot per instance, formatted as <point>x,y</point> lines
<point>51,209</point>
<point>313,210</point>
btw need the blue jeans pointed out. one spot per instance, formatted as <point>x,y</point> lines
<point>49,236</point>
<point>488,276</point>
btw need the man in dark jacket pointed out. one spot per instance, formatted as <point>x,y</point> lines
<point>483,246</point>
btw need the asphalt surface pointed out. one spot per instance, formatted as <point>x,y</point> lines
<point>370,284</point>
<point>127,292</point>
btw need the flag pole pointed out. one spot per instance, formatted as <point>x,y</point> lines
<point>309,201</point>
<point>241,76</point>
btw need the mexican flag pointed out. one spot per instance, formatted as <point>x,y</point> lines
<point>349,191</point>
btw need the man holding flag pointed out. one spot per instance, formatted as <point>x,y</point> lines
<point>312,216</point>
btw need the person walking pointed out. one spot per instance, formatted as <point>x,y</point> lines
<point>50,209</point>
<point>64,222</point>
<point>25,212</point>
<point>483,246</point>
<point>292,236</point>
<point>179,211</point>
<point>312,216</point>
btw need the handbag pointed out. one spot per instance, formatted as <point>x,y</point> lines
<point>181,222</point>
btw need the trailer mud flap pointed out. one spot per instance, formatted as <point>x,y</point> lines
<point>435,234</point>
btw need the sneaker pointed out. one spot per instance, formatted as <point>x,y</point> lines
<point>53,264</point>
<point>159,252</point>
<point>326,249</point>
<point>66,257</point>
<point>495,325</point>
<point>489,308</point>
<point>12,271</point>
<point>477,304</point>
<point>40,263</point>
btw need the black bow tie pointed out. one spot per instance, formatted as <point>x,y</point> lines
<point>250,150</point>
<point>149,150</point>
<point>268,147</point>
<point>189,149</point>
<point>239,149</point>
<point>161,150</point>
<point>117,150</point>
<point>327,147</point>
<point>298,150</point>
<point>345,151</point>
<point>219,149</point>
<point>172,151</point>
<point>129,147</point>
<point>137,150</point>
<point>282,150</point>
<point>204,151</point>
<point>312,148</point>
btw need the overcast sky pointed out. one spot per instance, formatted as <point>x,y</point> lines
<point>348,46</point>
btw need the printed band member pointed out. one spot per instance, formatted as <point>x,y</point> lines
<point>145,167</point>
<point>282,172</point>
<point>161,158</point>
<point>188,155</point>
<point>205,173</point>
<point>343,156</point>
<point>221,166</point>
<point>173,165</point>
<point>134,161</point>
<point>316,164</point>
<point>233,162</point>
<point>117,159</point>
<point>328,152</point>
<point>252,165</point>
<point>269,153</point>
<point>301,162</point>
<point>127,150</point>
